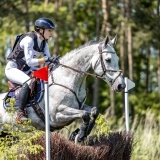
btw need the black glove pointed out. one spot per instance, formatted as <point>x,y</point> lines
<point>54,60</point>
<point>51,59</point>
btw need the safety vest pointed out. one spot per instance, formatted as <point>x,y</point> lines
<point>17,53</point>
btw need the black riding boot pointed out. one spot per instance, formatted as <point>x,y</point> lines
<point>22,102</point>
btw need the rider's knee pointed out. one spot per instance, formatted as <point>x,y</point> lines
<point>25,86</point>
<point>28,83</point>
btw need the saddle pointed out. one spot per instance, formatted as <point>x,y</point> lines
<point>35,96</point>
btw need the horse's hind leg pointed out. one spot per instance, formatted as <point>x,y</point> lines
<point>67,114</point>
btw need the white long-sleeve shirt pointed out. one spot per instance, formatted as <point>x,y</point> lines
<point>30,55</point>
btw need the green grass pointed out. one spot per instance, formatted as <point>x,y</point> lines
<point>146,144</point>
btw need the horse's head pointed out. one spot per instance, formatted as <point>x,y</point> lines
<point>105,64</point>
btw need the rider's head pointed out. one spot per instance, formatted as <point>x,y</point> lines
<point>44,27</point>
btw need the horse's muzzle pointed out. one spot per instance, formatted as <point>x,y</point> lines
<point>121,87</point>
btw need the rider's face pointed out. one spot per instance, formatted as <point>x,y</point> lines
<point>48,33</point>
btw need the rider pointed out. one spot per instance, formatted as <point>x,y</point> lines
<point>24,58</point>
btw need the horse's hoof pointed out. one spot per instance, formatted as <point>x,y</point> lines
<point>78,140</point>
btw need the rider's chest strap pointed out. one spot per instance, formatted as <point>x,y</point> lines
<point>36,47</point>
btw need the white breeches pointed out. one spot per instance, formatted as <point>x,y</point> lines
<point>15,75</point>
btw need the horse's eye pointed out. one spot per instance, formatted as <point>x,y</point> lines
<point>108,60</point>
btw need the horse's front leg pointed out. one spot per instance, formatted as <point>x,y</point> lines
<point>93,116</point>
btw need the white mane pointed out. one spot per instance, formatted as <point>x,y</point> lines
<point>74,53</point>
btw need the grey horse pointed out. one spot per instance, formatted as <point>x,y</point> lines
<point>67,91</point>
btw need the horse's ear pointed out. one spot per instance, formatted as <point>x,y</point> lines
<point>106,41</point>
<point>114,40</point>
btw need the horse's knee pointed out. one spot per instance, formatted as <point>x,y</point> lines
<point>86,117</point>
<point>94,112</point>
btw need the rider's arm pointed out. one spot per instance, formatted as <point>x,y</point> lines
<point>27,44</point>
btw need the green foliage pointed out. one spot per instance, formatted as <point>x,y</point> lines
<point>102,128</point>
<point>11,103</point>
<point>145,102</point>
<point>17,144</point>
<point>82,22</point>
<point>18,140</point>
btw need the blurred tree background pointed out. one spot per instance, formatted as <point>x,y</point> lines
<point>137,25</point>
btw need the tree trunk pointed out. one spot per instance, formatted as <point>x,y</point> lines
<point>46,3</point>
<point>158,12</point>
<point>147,70</point>
<point>56,32</point>
<point>122,39</point>
<point>26,10</point>
<point>71,6</point>
<point>96,81</point>
<point>105,17</point>
<point>112,98</point>
<point>130,59</point>
<point>159,74</point>
<point>129,40</point>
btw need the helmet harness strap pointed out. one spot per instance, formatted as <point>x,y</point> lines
<point>42,34</point>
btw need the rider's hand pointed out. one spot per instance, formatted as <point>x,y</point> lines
<point>51,59</point>
<point>54,60</point>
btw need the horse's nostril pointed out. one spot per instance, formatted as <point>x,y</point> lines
<point>121,86</point>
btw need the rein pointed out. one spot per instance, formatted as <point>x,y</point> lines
<point>103,67</point>
<point>79,71</point>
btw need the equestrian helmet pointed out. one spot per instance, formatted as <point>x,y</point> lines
<point>44,23</point>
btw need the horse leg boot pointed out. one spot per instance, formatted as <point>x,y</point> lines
<point>23,95</point>
<point>84,127</point>
<point>94,115</point>
<point>74,134</point>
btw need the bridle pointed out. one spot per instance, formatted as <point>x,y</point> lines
<point>105,71</point>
